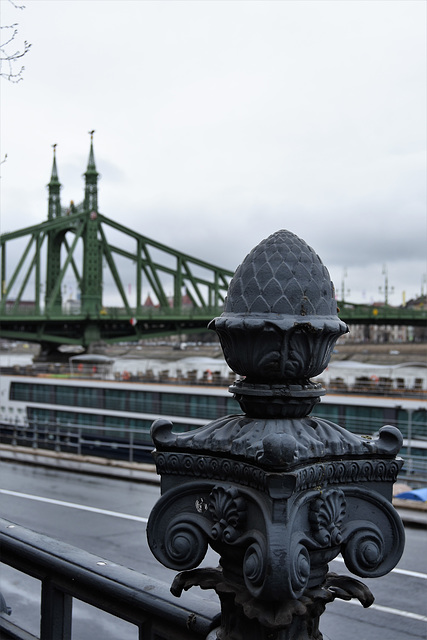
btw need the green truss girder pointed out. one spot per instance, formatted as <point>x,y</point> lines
<point>73,264</point>
<point>57,286</point>
<point>109,256</point>
<point>206,292</point>
<point>182,272</point>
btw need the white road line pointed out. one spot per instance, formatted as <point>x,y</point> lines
<point>395,612</point>
<point>73,505</point>
<point>404,572</point>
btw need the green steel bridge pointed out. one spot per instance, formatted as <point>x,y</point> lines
<point>79,242</point>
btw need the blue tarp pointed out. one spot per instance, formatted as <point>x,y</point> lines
<point>415,494</point>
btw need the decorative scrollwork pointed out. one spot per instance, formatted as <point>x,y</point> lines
<point>298,359</point>
<point>364,551</point>
<point>326,517</point>
<point>277,615</point>
<point>178,526</point>
<point>371,547</point>
<point>254,566</point>
<point>299,570</point>
<point>348,471</point>
<point>228,511</point>
<point>204,466</point>
<point>185,545</point>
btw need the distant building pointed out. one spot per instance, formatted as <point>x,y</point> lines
<point>186,302</point>
<point>419,333</point>
<point>383,333</point>
<point>26,306</point>
<point>377,333</point>
<point>71,306</point>
<point>417,303</point>
<point>149,302</point>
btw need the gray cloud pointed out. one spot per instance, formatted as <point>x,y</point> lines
<point>219,123</point>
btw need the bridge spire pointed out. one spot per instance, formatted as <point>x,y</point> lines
<point>91,181</point>
<point>91,285</point>
<point>54,186</point>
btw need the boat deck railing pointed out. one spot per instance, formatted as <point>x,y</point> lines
<point>362,385</point>
<point>131,445</point>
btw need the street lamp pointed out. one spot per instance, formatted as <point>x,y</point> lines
<point>387,289</point>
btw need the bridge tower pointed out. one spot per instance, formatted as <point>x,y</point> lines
<point>91,280</point>
<point>55,238</point>
<point>91,286</point>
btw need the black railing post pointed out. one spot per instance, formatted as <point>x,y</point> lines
<point>276,492</point>
<point>79,440</point>
<point>56,611</point>
<point>131,444</point>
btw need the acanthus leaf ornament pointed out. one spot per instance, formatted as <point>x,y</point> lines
<point>326,516</point>
<point>227,509</point>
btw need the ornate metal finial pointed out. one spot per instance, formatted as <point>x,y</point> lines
<point>279,325</point>
<point>275,491</point>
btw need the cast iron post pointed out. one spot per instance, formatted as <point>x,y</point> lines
<point>276,492</point>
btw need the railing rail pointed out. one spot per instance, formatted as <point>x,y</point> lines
<point>67,572</point>
<point>134,446</point>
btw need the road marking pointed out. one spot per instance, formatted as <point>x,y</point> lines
<point>404,572</point>
<point>395,612</point>
<point>73,505</point>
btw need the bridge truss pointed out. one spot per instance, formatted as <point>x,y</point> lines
<point>185,293</point>
<point>153,290</point>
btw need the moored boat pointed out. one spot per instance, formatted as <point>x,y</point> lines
<point>89,409</point>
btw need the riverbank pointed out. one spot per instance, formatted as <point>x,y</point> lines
<point>387,354</point>
<point>371,353</point>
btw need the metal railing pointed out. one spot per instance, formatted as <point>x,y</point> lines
<point>66,573</point>
<point>80,440</point>
<point>132,445</point>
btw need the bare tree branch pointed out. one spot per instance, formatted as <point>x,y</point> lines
<point>17,6</point>
<point>9,56</point>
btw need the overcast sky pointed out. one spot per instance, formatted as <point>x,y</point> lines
<point>220,122</point>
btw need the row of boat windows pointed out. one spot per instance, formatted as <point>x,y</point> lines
<point>368,420</point>
<point>111,427</point>
<point>136,401</point>
<point>358,419</point>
